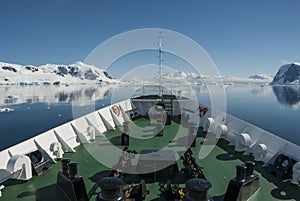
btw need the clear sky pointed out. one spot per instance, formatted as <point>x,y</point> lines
<point>242,37</point>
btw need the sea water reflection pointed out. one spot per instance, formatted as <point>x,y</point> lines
<point>288,95</point>
<point>40,108</point>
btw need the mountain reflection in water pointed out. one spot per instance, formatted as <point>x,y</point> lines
<point>12,95</point>
<point>287,95</point>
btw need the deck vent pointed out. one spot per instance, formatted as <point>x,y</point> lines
<point>282,167</point>
<point>70,182</point>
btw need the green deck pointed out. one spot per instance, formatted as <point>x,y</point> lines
<point>218,167</point>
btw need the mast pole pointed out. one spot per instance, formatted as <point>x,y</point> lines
<point>160,62</point>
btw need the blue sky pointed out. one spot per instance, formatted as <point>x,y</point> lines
<point>242,37</point>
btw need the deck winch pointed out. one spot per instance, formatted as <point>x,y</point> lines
<point>197,189</point>
<point>282,167</point>
<point>111,189</point>
<point>39,161</point>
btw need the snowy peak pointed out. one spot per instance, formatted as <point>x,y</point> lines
<point>288,74</point>
<point>261,77</point>
<point>193,78</point>
<point>78,72</point>
<point>179,75</point>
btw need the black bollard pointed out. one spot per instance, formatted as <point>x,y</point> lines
<point>240,172</point>
<point>64,166</point>
<point>70,182</point>
<point>125,135</point>
<point>250,168</point>
<point>72,170</point>
<point>244,185</point>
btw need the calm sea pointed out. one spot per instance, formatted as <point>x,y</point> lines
<point>39,108</point>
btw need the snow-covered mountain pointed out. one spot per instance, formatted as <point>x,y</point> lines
<point>288,74</point>
<point>261,77</point>
<point>78,72</point>
<point>179,75</point>
<point>184,77</point>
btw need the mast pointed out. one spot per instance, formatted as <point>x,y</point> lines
<point>160,63</point>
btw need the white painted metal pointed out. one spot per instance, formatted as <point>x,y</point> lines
<point>107,118</point>
<point>116,113</point>
<point>46,141</point>
<point>259,152</point>
<point>4,158</point>
<point>80,126</point>
<point>20,165</point>
<point>1,188</point>
<point>242,142</point>
<point>91,133</point>
<point>68,135</point>
<point>95,120</point>
<point>222,131</point>
<point>25,147</point>
<point>56,150</point>
<point>209,125</point>
<point>296,174</point>
<point>126,105</point>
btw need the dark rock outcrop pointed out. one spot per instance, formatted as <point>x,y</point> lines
<point>288,74</point>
